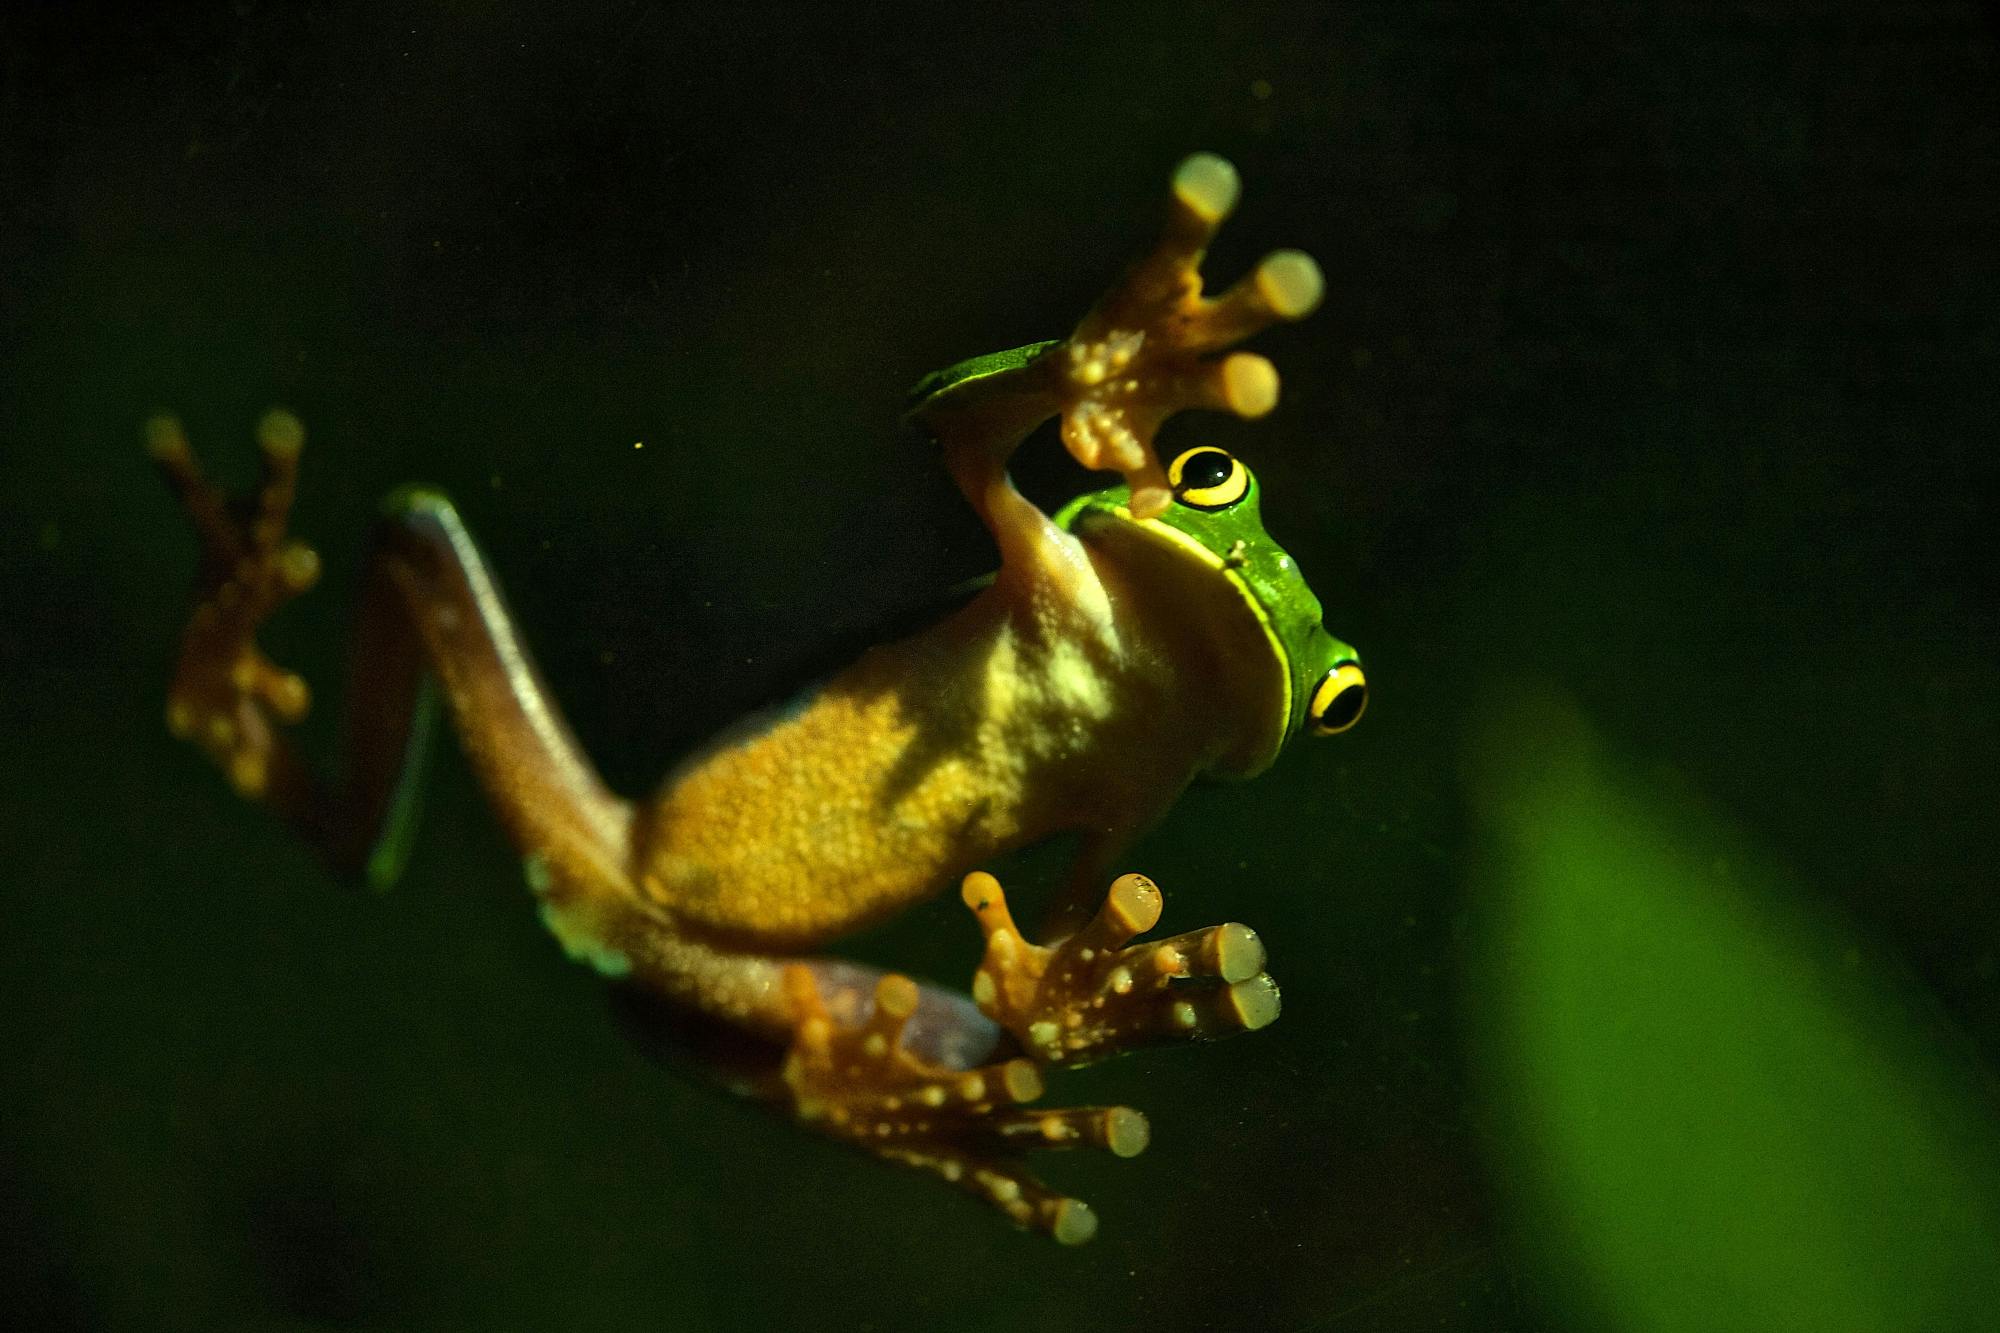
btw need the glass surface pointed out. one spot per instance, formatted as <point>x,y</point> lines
<point>1638,947</point>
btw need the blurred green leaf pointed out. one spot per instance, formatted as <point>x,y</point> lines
<point>1713,1112</point>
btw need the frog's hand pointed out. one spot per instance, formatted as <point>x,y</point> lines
<point>1096,994</point>
<point>227,697</point>
<point>858,1082</point>
<point>1148,349</point>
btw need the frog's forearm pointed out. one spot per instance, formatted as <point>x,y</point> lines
<point>978,412</point>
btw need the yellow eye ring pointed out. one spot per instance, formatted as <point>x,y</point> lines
<point>1207,478</point>
<point>1338,700</point>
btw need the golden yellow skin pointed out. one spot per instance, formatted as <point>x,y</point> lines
<point>926,758</point>
<point>1080,691</point>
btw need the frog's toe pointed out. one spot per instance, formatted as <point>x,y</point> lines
<point>167,445</point>
<point>1229,953</point>
<point>1160,301</point>
<point>1195,1013</point>
<point>1203,194</point>
<point>284,693</point>
<point>1245,383</point>
<point>248,567</point>
<point>1285,286</point>
<point>280,440</point>
<point>1207,187</point>
<point>857,1082</point>
<point>1026,1201</point>
<point>989,1172</point>
<point>1290,284</point>
<point>1096,993</point>
<point>1118,1130</point>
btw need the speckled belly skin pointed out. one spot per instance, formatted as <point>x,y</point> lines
<point>923,759</point>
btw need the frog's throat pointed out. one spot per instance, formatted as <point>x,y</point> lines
<point>1181,542</point>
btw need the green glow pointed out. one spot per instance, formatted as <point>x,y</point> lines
<point>976,368</point>
<point>579,936</point>
<point>399,827</point>
<point>581,945</point>
<point>1714,1114</point>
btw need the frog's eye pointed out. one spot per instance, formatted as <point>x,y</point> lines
<point>1208,478</point>
<point>1337,700</point>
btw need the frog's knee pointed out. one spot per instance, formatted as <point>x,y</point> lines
<point>413,500</point>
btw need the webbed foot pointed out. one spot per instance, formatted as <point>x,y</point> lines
<point>1146,350</point>
<point>1096,994</point>
<point>858,1083</point>
<point>227,696</point>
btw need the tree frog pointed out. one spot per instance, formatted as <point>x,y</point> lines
<point>1142,636</point>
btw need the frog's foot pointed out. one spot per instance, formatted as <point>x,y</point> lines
<point>1148,348</point>
<point>227,696</point>
<point>858,1083</point>
<point>1096,994</point>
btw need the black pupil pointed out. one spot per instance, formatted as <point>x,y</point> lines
<point>1346,706</point>
<point>1208,468</point>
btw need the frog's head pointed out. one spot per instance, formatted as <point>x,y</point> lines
<point>1215,525</point>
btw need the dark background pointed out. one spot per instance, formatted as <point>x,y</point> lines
<point>1659,361</point>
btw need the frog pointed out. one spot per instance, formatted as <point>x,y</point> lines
<point>1140,637</point>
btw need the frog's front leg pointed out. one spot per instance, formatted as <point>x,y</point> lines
<point>1151,347</point>
<point>1095,993</point>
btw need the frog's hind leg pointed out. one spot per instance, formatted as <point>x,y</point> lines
<point>866,1080</point>
<point>431,603</point>
<point>430,610</point>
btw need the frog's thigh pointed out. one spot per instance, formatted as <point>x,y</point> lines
<point>540,782</point>
<point>717,991</point>
<point>625,939</point>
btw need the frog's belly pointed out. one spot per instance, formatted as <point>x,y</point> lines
<point>844,811</point>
